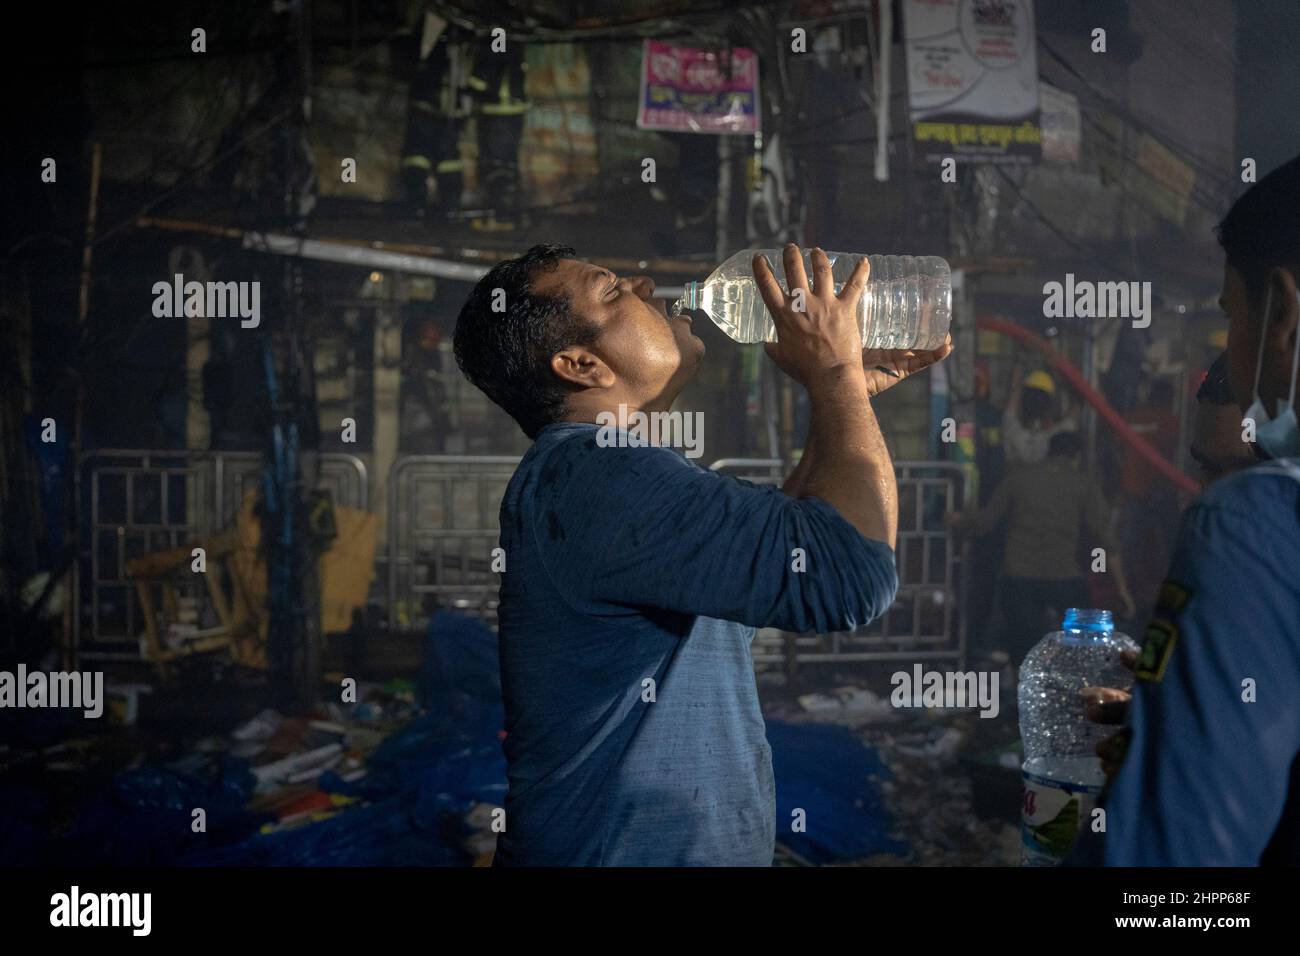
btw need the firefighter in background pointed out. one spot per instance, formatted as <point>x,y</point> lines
<point>433,119</point>
<point>1053,512</point>
<point>1029,422</point>
<point>496,83</point>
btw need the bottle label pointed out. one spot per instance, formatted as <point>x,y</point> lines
<point>1052,812</point>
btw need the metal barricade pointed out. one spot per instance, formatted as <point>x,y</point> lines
<point>141,501</point>
<point>444,524</point>
<point>343,475</point>
<point>926,621</point>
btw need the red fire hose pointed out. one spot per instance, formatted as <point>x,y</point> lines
<point>1071,374</point>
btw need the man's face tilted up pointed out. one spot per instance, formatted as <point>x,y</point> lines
<point>551,338</point>
<point>641,357</point>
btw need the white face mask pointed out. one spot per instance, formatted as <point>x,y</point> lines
<point>1278,437</point>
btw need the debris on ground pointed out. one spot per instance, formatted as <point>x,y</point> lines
<point>849,706</point>
<point>406,775</point>
<point>949,785</point>
<point>412,773</point>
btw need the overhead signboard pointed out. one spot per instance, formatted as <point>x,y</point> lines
<point>686,90</point>
<point>972,77</point>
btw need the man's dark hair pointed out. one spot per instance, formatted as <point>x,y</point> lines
<point>1064,443</point>
<point>508,354</point>
<point>1215,388</point>
<point>1262,229</point>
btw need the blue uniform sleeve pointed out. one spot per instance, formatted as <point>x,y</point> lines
<point>644,527</point>
<point>1216,711</point>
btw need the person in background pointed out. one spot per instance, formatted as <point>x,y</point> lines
<point>1217,448</point>
<point>1219,451</point>
<point>1150,505</point>
<point>1053,512</point>
<point>497,83</point>
<point>1029,422</point>
<point>432,145</point>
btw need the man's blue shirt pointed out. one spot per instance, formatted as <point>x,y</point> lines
<point>634,582</point>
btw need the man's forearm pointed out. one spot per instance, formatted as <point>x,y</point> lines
<point>851,469</point>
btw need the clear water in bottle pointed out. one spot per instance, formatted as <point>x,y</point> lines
<point>1062,772</point>
<point>907,303</point>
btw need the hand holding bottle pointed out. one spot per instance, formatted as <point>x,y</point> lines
<point>819,345</point>
<point>887,367</point>
<point>1107,705</point>
<point>817,330</point>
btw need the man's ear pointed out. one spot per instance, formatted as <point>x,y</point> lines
<point>1283,323</point>
<point>582,368</point>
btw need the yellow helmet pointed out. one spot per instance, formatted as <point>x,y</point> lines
<point>1041,380</point>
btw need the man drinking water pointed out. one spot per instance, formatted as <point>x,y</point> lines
<point>635,579</point>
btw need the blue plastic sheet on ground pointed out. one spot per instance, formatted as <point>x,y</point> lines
<point>433,753</point>
<point>421,781</point>
<point>461,666</point>
<point>146,818</point>
<point>455,748</point>
<point>831,775</point>
<point>405,830</point>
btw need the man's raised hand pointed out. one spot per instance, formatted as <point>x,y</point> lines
<point>816,330</point>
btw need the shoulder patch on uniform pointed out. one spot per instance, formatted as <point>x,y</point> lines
<point>1161,636</point>
<point>1173,597</point>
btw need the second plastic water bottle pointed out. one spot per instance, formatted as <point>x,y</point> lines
<point>907,303</point>
<point>1062,772</point>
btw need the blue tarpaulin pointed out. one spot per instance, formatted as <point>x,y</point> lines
<point>421,780</point>
<point>146,817</point>
<point>420,783</point>
<point>827,772</point>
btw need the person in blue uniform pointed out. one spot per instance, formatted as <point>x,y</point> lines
<point>1210,774</point>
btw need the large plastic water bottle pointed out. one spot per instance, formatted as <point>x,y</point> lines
<point>1062,772</point>
<point>907,303</point>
